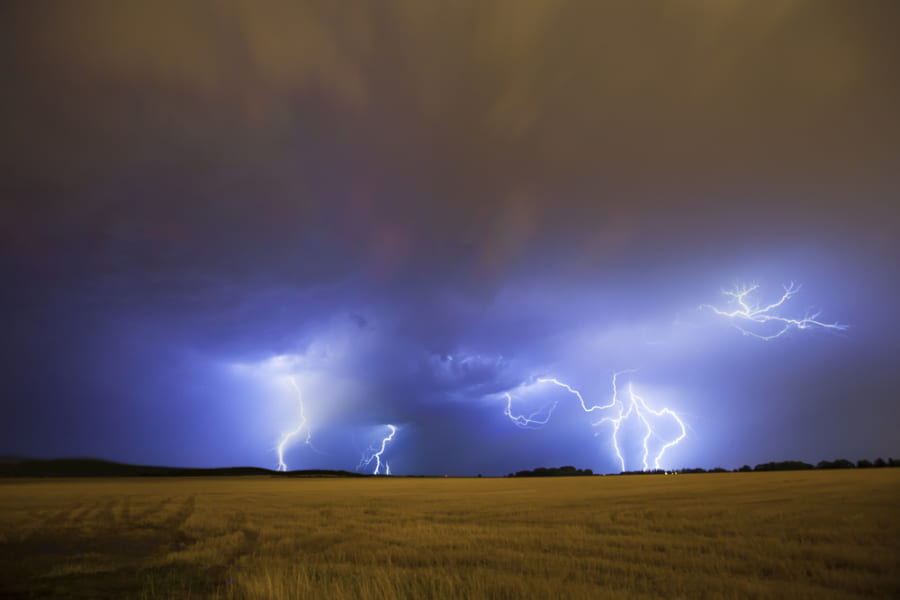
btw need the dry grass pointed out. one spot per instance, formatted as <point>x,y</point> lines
<point>832,534</point>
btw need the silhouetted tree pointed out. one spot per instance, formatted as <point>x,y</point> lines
<point>863,464</point>
<point>879,462</point>
<point>841,463</point>
<point>566,471</point>
<point>745,469</point>
<point>786,465</point>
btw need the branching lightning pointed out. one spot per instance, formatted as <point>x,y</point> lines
<point>634,405</point>
<point>529,422</point>
<point>289,436</point>
<point>766,317</point>
<point>638,406</point>
<point>375,454</point>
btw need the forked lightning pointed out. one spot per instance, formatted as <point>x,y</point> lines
<point>289,436</point>
<point>634,405</point>
<point>375,454</point>
<point>764,322</point>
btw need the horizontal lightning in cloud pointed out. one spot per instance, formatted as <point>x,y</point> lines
<point>531,421</point>
<point>765,322</point>
<point>634,405</point>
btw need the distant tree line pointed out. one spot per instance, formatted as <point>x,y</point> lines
<point>785,465</point>
<point>797,465</point>
<point>841,463</point>
<point>567,471</point>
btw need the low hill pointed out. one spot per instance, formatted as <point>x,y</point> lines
<point>91,467</point>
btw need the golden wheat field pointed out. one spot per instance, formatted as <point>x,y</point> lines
<point>831,534</point>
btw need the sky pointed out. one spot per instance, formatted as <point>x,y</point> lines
<point>409,214</point>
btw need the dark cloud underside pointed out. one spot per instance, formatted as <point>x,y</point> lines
<point>189,184</point>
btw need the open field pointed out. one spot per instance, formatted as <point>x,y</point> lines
<point>819,534</point>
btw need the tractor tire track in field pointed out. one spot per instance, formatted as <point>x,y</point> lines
<point>102,514</point>
<point>62,517</point>
<point>134,539</point>
<point>125,510</point>
<point>176,520</point>
<point>80,512</point>
<point>99,513</point>
<point>221,574</point>
<point>239,521</point>
<point>149,512</point>
<point>95,513</point>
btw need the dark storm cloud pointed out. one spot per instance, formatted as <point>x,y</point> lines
<point>449,198</point>
<point>392,111</point>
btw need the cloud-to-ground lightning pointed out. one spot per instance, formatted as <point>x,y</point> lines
<point>289,436</point>
<point>634,405</point>
<point>375,454</point>
<point>765,319</point>
<point>638,406</point>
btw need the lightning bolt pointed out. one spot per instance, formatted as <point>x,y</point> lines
<point>633,405</point>
<point>529,422</point>
<point>289,436</point>
<point>746,312</point>
<point>638,406</point>
<point>376,455</point>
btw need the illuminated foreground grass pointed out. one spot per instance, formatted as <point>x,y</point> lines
<point>831,534</point>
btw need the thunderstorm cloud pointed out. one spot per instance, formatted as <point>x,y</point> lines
<point>415,208</point>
